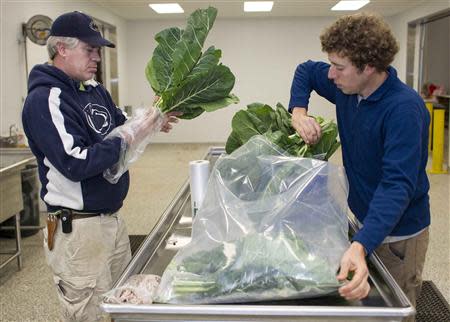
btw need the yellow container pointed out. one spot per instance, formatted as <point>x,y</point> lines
<point>429,106</point>
<point>437,156</point>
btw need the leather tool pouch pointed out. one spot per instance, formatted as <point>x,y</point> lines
<point>52,223</point>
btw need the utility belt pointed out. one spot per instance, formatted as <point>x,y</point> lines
<point>66,216</point>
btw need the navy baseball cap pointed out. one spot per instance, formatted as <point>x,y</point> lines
<point>79,25</point>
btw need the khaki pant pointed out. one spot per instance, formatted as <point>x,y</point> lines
<point>86,263</point>
<point>404,260</point>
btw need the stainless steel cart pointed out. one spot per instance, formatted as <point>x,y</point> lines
<point>386,301</point>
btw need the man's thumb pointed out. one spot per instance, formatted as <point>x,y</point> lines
<point>343,271</point>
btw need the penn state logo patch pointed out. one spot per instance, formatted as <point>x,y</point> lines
<point>94,26</point>
<point>98,118</point>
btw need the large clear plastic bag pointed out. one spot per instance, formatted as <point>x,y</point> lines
<point>270,227</point>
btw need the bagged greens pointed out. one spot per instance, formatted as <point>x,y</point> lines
<point>183,77</point>
<point>271,226</point>
<point>276,126</point>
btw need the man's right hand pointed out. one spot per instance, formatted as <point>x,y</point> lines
<point>170,117</point>
<point>354,261</point>
<point>306,126</point>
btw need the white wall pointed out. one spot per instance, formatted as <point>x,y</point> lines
<point>262,54</point>
<point>12,57</point>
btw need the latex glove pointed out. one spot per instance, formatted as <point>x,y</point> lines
<point>306,126</point>
<point>354,260</point>
<point>140,128</point>
<point>136,134</point>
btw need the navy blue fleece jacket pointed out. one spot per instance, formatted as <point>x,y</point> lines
<point>385,151</point>
<point>65,123</point>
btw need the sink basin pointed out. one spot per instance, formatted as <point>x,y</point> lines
<point>8,141</point>
<point>12,161</point>
<point>11,155</point>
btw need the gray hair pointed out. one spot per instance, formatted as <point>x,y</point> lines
<point>52,41</point>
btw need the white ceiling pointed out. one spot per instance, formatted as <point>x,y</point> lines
<point>139,9</point>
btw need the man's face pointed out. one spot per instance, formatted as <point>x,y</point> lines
<point>347,77</point>
<point>80,63</point>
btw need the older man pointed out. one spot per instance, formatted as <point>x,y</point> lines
<point>67,116</point>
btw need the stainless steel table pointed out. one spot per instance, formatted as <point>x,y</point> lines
<point>386,301</point>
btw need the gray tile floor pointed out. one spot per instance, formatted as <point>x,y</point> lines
<point>28,295</point>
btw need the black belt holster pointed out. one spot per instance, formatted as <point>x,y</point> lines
<point>66,220</point>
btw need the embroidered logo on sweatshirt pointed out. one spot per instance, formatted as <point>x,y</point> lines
<point>98,118</point>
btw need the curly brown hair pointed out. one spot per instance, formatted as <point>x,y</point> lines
<point>365,39</point>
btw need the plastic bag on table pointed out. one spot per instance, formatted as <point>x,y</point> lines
<point>138,289</point>
<point>270,227</point>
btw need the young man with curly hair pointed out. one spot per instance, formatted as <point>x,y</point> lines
<point>383,127</point>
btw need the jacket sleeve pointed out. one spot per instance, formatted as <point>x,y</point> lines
<point>119,117</point>
<point>311,76</point>
<point>59,132</point>
<point>400,168</point>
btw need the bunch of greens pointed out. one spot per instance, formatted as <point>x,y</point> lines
<point>185,79</point>
<point>276,126</point>
<point>254,267</point>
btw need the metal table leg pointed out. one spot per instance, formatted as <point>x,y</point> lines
<point>17,253</point>
<point>18,241</point>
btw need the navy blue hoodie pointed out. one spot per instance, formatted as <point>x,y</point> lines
<point>384,142</point>
<point>65,123</point>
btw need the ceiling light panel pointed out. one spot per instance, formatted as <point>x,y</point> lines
<point>349,5</point>
<point>166,7</point>
<point>258,6</point>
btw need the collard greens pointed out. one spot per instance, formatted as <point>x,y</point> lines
<point>276,126</point>
<point>254,263</point>
<point>183,77</point>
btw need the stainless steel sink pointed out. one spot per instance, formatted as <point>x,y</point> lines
<point>8,141</point>
<point>12,161</point>
<point>9,156</point>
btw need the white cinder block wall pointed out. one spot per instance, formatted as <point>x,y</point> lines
<point>262,53</point>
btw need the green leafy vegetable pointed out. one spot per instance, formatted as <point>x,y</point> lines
<point>254,263</point>
<point>185,79</point>
<point>276,126</point>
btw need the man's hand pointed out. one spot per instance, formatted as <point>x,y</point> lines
<point>170,117</point>
<point>306,126</point>
<point>354,261</point>
<point>155,100</point>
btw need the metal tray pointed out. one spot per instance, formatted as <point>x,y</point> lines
<point>386,301</point>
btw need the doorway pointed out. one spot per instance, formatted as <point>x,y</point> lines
<point>428,45</point>
<point>107,72</point>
